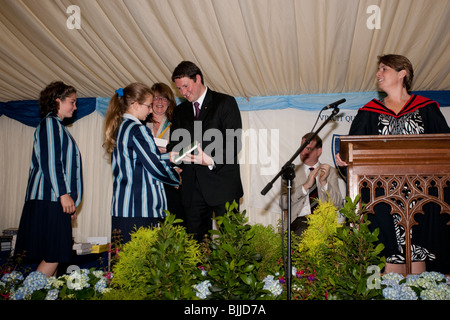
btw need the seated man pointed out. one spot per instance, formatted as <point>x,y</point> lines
<point>312,180</point>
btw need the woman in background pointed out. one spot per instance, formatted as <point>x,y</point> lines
<point>159,123</point>
<point>55,184</point>
<point>162,113</point>
<point>139,169</point>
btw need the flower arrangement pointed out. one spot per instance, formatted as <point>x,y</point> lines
<point>425,286</point>
<point>239,261</point>
<point>81,284</point>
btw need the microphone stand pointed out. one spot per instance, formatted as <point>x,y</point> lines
<point>288,174</point>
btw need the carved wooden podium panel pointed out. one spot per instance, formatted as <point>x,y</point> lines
<point>404,171</point>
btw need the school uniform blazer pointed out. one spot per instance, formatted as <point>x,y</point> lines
<point>218,130</point>
<point>56,167</point>
<point>139,171</point>
<point>299,200</point>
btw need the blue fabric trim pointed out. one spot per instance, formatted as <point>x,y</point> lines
<point>27,111</point>
<point>314,102</point>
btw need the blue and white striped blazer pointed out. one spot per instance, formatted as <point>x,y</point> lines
<point>56,167</point>
<point>139,171</point>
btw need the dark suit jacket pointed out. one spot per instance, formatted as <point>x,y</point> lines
<point>218,130</point>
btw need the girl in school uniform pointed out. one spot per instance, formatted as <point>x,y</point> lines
<point>55,184</point>
<point>139,169</point>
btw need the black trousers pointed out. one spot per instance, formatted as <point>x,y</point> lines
<point>299,225</point>
<point>199,214</point>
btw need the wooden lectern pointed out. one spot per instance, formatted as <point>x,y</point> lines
<point>410,170</point>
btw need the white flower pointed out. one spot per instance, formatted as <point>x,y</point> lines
<point>78,280</point>
<point>203,289</point>
<point>439,292</point>
<point>52,294</point>
<point>273,285</point>
<point>98,273</point>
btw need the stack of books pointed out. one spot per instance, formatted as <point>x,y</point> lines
<point>8,239</point>
<point>99,244</point>
<point>94,245</point>
<point>82,248</point>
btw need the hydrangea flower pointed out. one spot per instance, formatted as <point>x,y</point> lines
<point>13,276</point>
<point>439,292</point>
<point>53,282</point>
<point>431,285</point>
<point>98,273</point>
<point>203,289</point>
<point>101,285</point>
<point>78,280</point>
<point>399,292</point>
<point>36,280</point>
<point>52,294</point>
<point>272,285</point>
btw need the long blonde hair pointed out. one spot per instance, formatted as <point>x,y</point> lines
<point>118,105</point>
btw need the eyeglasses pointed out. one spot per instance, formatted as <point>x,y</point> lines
<point>162,99</point>
<point>147,105</point>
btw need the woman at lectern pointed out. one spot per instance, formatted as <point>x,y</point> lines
<point>400,112</point>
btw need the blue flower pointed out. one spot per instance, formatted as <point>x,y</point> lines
<point>36,280</point>
<point>431,285</point>
<point>399,292</point>
<point>21,293</point>
<point>101,285</point>
<point>13,276</point>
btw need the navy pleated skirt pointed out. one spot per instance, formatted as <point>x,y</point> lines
<point>45,232</point>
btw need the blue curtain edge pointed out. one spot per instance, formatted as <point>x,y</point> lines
<point>29,110</point>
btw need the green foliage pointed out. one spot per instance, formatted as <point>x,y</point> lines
<point>318,236</point>
<point>132,270</point>
<point>356,253</point>
<point>266,242</point>
<point>158,263</point>
<point>240,261</point>
<point>314,257</point>
<point>333,260</point>
<point>232,263</point>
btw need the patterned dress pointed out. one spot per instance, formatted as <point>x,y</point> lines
<point>420,115</point>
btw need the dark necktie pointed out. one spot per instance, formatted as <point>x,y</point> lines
<point>197,109</point>
<point>313,194</point>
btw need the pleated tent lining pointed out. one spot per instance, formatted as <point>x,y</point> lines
<point>245,48</point>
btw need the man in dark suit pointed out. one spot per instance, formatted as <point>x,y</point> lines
<point>210,175</point>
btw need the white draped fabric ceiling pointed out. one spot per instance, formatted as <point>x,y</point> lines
<point>247,48</point>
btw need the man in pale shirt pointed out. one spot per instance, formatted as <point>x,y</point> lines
<point>311,175</point>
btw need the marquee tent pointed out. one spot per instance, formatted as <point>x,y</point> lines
<point>283,60</point>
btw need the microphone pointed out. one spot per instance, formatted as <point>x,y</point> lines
<point>334,104</point>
